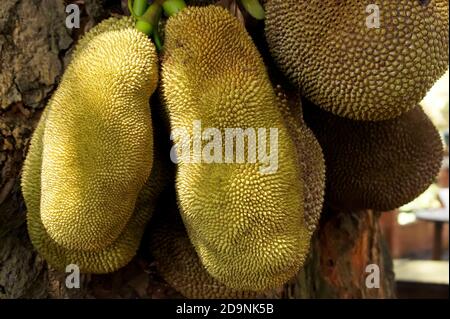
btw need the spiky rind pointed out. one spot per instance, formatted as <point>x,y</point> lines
<point>247,227</point>
<point>95,95</point>
<point>342,64</point>
<point>98,140</point>
<point>376,165</point>
<point>309,153</point>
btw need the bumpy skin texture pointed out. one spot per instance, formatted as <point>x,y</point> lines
<point>309,153</point>
<point>176,258</point>
<point>178,262</point>
<point>115,254</point>
<point>98,139</point>
<point>248,228</point>
<point>361,73</point>
<point>107,260</point>
<point>376,165</point>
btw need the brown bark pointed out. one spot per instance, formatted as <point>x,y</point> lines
<point>343,246</point>
<point>34,49</point>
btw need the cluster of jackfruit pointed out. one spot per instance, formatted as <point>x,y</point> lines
<point>235,230</point>
<point>360,59</point>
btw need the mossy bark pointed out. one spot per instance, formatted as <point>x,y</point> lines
<point>34,49</point>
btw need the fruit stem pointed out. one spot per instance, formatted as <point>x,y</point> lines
<point>139,7</point>
<point>148,22</point>
<point>157,40</point>
<point>147,18</point>
<point>130,8</point>
<point>254,8</point>
<point>172,7</point>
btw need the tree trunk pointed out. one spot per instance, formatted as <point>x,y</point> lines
<point>34,47</point>
<point>347,253</point>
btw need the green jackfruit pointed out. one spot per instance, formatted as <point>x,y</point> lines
<point>107,260</point>
<point>98,139</point>
<point>335,53</point>
<point>376,165</point>
<point>247,227</point>
<point>176,258</point>
<point>92,153</point>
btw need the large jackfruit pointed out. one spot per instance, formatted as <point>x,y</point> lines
<point>376,165</point>
<point>344,63</point>
<point>248,228</point>
<point>98,139</point>
<point>176,258</point>
<point>109,259</point>
<point>92,153</point>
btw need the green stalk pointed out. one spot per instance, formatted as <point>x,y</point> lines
<point>157,40</point>
<point>148,22</point>
<point>254,8</point>
<point>172,7</point>
<point>130,8</point>
<point>147,18</point>
<point>139,7</point>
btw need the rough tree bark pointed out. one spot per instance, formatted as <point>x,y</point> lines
<point>344,245</point>
<point>34,49</point>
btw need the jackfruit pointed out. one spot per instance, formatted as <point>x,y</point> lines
<point>176,258</point>
<point>344,62</point>
<point>110,258</point>
<point>376,165</point>
<point>98,140</point>
<point>247,227</point>
<point>92,153</point>
<point>309,152</point>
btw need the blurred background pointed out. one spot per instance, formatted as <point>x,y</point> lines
<point>417,234</point>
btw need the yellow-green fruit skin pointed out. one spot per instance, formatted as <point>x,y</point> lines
<point>247,227</point>
<point>98,139</point>
<point>328,49</point>
<point>376,165</point>
<point>175,256</point>
<point>108,256</point>
<point>106,260</point>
